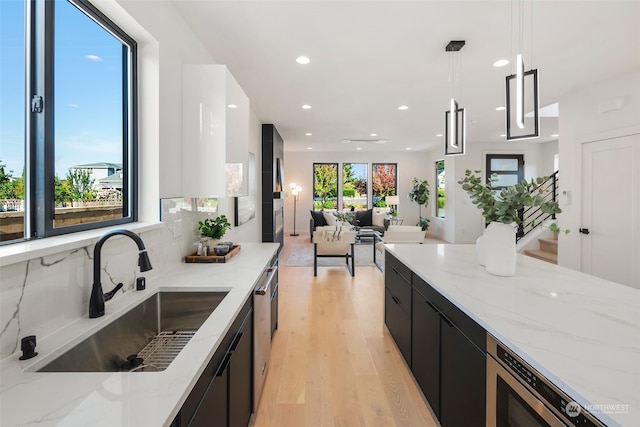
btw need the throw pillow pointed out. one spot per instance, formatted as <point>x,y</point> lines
<point>330,218</point>
<point>378,218</point>
<point>364,218</point>
<point>318,219</point>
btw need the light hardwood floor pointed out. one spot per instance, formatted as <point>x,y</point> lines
<point>333,362</point>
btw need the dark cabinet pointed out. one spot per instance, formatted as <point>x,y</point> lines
<point>448,364</point>
<point>425,349</point>
<point>397,304</point>
<point>240,376</point>
<point>463,379</point>
<point>223,394</point>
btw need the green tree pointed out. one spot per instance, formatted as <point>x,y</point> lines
<point>8,184</point>
<point>61,191</point>
<point>325,181</point>
<point>80,183</point>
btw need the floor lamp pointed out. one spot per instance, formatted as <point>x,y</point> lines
<point>295,190</point>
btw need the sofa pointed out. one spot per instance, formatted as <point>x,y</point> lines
<point>370,218</point>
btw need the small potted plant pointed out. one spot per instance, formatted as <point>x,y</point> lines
<point>501,212</point>
<point>214,228</point>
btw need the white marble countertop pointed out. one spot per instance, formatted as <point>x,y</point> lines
<point>581,332</point>
<point>129,399</point>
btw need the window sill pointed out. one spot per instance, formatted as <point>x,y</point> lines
<point>25,251</point>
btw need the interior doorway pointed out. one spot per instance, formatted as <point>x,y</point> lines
<point>610,211</point>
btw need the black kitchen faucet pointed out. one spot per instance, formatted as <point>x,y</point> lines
<point>98,298</point>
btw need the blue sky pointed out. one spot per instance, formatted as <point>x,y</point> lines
<point>88,111</point>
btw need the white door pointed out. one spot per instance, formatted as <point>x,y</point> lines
<point>611,209</point>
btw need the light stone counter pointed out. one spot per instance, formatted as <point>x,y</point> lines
<point>579,331</point>
<point>129,399</point>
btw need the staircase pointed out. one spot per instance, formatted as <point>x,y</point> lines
<point>548,250</point>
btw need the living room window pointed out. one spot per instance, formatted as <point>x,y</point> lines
<point>325,186</point>
<point>354,186</point>
<point>71,164</point>
<point>440,188</point>
<point>384,182</point>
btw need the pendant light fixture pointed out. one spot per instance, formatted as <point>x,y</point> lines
<point>522,116</point>
<point>454,126</point>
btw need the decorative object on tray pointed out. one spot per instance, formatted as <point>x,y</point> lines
<point>213,258</point>
<point>214,228</point>
<point>420,194</point>
<point>502,209</point>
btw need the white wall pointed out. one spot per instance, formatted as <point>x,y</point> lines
<point>299,169</point>
<point>463,222</point>
<point>580,123</point>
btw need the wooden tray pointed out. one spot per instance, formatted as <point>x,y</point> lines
<point>209,259</point>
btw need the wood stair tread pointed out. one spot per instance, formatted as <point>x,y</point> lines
<point>542,255</point>
<point>549,241</point>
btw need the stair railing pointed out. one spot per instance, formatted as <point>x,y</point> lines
<point>533,216</point>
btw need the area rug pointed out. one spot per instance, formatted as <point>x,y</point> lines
<point>301,255</point>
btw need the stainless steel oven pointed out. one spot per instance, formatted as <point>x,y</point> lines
<point>519,396</point>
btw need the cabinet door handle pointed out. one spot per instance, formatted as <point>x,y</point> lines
<point>430,304</point>
<point>395,299</point>
<point>446,320</point>
<point>395,271</point>
<point>236,340</point>
<point>224,364</point>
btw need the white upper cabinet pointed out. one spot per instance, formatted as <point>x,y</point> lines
<point>213,132</point>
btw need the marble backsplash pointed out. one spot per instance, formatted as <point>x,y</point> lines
<point>44,294</point>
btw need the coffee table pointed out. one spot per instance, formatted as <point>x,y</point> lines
<point>368,235</point>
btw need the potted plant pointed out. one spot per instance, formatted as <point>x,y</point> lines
<point>214,228</point>
<point>501,212</point>
<point>420,194</point>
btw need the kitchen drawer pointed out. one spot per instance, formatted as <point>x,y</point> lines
<point>474,332</point>
<point>401,269</point>
<point>399,288</point>
<point>399,325</point>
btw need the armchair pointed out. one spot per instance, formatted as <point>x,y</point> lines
<point>334,242</point>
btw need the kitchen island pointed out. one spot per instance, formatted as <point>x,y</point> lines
<point>121,398</point>
<point>581,332</point>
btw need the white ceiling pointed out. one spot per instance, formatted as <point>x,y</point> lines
<point>369,57</point>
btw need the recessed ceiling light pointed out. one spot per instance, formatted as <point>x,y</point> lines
<point>309,148</point>
<point>373,134</point>
<point>232,106</point>
<point>555,135</point>
<point>358,148</point>
<point>302,60</point>
<point>408,148</point>
<point>306,107</point>
<point>308,134</point>
<point>403,107</point>
<point>439,135</point>
<point>503,134</point>
<point>501,63</point>
<point>501,108</point>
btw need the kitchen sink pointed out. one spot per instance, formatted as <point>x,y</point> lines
<point>146,338</point>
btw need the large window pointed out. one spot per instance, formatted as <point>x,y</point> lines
<point>385,182</point>
<point>325,186</point>
<point>354,186</point>
<point>440,188</point>
<point>71,165</point>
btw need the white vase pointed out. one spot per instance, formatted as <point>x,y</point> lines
<point>500,249</point>
<point>481,249</point>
